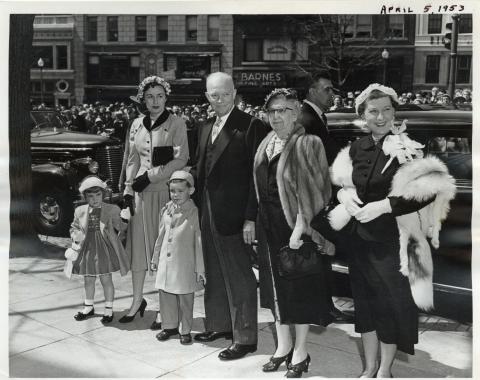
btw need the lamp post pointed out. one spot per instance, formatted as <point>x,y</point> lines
<point>385,55</point>
<point>40,64</point>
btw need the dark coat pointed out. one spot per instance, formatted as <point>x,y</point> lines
<point>314,125</point>
<point>230,179</point>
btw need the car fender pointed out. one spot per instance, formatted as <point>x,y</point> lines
<point>50,175</point>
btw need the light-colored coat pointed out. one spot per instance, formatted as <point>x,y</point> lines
<point>172,132</point>
<point>110,226</point>
<point>178,250</point>
<point>303,180</point>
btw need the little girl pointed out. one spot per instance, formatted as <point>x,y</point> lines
<point>179,259</point>
<point>94,233</point>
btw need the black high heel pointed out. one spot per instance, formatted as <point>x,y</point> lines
<point>274,362</point>
<point>130,318</point>
<point>296,370</point>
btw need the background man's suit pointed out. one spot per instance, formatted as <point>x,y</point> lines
<point>226,197</point>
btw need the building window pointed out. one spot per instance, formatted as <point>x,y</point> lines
<point>192,67</point>
<point>359,27</point>
<point>44,52</point>
<point>140,28</point>
<point>396,26</point>
<point>213,28</point>
<point>113,69</point>
<point>364,26</point>
<point>62,57</point>
<point>465,24</point>
<point>253,50</point>
<point>191,28</point>
<point>162,28</point>
<point>279,49</point>
<point>91,28</point>
<point>112,28</point>
<point>432,69</point>
<point>434,24</point>
<point>464,68</point>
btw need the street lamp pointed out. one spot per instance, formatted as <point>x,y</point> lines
<point>385,55</point>
<point>40,64</point>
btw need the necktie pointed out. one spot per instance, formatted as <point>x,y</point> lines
<point>216,129</point>
<point>324,118</point>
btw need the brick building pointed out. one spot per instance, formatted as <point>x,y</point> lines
<point>113,53</point>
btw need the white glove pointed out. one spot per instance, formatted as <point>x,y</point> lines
<point>125,214</point>
<point>78,236</point>
<point>348,197</point>
<point>295,241</point>
<point>373,210</point>
<point>71,254</point>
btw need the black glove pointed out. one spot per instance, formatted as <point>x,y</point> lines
<point>128,202</point>
<point>140,183</point>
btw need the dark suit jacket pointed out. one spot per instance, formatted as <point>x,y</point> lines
<point>230,180</point>
<point>314,125</point>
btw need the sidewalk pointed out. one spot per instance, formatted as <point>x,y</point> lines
<point>45,340</point>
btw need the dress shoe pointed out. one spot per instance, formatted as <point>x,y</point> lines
<point>274,362</point>
<point>296,370</point>
<point>165,334</point>
<point>210,336</point>
<point>81,317</point>
<point>185,339</point>
<point>156,325</point>
<point>130,318</point>
<point>237,351</point>
<point>341,316</point>
<point>106,319</point>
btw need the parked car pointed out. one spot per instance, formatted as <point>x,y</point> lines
<point>447,134</point>
<point>60,160</point>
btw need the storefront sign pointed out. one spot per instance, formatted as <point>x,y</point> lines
<point>260,79</point>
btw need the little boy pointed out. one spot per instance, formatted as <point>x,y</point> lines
<point>178,259</point>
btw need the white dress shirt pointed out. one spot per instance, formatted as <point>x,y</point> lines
<point>218,125</point>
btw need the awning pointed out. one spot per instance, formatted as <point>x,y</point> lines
<point>195,53</point>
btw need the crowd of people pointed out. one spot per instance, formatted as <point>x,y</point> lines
<point>267,185</point>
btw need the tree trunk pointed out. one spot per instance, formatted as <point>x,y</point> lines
<point>23,239</point>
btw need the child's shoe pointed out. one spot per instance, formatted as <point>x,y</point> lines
<point>81,316</point>
<point>106,319</point>
<point>185,339</point>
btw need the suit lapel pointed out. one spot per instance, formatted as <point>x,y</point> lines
<point>224,137</point>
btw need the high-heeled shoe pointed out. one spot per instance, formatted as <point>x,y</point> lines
<point>296,370</point>
<point>130,318</point>
<point>274,362</point>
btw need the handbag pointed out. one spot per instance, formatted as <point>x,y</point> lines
<point>162,155</point>
<point>298,263</point>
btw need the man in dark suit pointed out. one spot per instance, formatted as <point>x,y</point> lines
<point>318,100</point>
<point>223,172</point>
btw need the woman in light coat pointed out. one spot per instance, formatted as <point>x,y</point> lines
<point>158,147</point>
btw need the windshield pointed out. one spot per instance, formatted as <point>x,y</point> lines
<point>47,119</point>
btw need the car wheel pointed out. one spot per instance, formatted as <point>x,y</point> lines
<point>53,212</point>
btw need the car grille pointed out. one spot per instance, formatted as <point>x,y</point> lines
<point>110,159</point>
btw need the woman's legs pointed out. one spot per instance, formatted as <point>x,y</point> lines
<point>300,351</point>
<point>284,339</point>
<point>387,352</point>
<point>370,347</point>
<point>89,283</point>
<point>109,292</point>
<point>138,279</point>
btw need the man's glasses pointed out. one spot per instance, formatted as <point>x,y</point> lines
<point>280,111</point>
<point>217,96</point>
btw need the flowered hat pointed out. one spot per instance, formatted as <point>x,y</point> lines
<point>374,86</point>
<point>287,92</point>
<point>150,80</point>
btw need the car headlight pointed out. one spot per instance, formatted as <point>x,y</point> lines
<point>93,167</point>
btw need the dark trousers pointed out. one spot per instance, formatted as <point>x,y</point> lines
<point>231,288</point>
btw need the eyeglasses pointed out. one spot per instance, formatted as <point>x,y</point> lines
<point>217,96</point>
<point>280,111</point>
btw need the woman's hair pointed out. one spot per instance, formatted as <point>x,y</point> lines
<point>287,93</point>
<point>375,94</point>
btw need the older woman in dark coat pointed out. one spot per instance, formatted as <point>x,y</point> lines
<point>292,185</point>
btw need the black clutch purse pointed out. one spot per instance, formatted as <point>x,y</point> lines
<point>162,155</point>
<point>302,262</point>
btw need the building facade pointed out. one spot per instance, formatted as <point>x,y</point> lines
<point>432,59</point>
<point>54,82</point>
<point>278,50</point>
<point>113,53</point>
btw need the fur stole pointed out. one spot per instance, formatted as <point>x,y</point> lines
<point>302,178</point>
<point>418,180</point>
